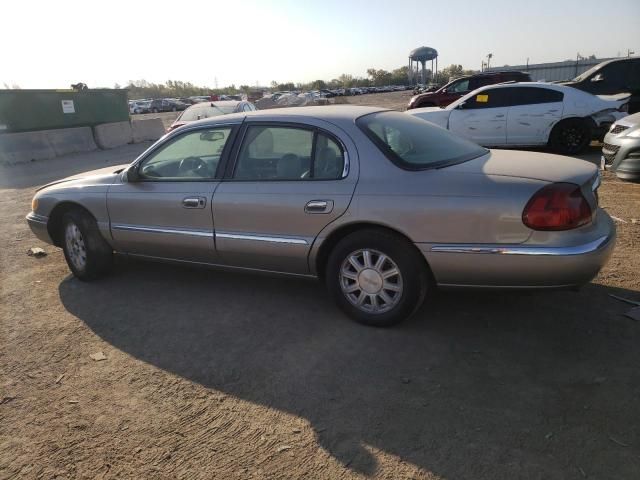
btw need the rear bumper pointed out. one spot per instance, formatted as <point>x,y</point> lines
<point>38,225</point>
<point>521,266</point>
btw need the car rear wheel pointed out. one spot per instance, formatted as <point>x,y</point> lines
<point>570,136</point>
<point>376,277</point>
<point>88,255</point>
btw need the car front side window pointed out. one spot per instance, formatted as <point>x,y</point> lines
<point>192,156</point>
<point>459,87</point>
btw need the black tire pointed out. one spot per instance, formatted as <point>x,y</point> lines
<point>98,255</point>
<point>414,279</point>
<point>570,136</point>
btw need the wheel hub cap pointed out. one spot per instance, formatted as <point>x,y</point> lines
<point>75,246</point>
<point>371,281</point>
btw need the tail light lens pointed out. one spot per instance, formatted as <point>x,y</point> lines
<point>559,206</point>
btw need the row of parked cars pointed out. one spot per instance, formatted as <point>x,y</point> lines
<point>506,109</point>
<point>174,104</point>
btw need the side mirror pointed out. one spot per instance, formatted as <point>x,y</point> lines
<point>597,78</point>
<point>444,90</point>
<point>461,106</point>
<point>213,136</point>
<point>132,174</point>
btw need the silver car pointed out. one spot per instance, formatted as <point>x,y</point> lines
<point>621,149</point>
<point>380,205</point>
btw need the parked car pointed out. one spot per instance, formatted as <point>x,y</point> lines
<point>529,114</point>
<point>380,205</point>
<point>167,105</point>
<point>621,75</point>
<point>459,87</point>
<point>202,110</point>
<point>621,149</point>
<point>139,106</point>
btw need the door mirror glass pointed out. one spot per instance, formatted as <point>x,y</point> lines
<point>132,175</point>
<point>597,78</point>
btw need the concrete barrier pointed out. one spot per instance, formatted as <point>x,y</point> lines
<point>111,135</point>
<point>71,140</point>
<point>44,144</point>
<point>147,129</point>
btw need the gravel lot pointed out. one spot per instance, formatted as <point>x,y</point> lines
<point>219,375</point>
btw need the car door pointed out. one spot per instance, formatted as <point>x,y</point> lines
<point>483,117</point>
<point>287,183</point>
<point>532,113</point>
<point>165,210</point>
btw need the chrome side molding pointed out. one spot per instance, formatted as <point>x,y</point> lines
<point>263,238</point>
<point>524,250</point>
<point>173,231</point>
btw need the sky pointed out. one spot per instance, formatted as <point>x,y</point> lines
<point>51,44</point>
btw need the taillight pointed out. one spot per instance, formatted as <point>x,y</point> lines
<point>559,206</point>
<point>624,108</point>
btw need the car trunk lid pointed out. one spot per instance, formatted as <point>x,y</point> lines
<point>532,165</point>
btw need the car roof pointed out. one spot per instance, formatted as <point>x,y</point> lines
<point>220,103</point>
<point>331,113</point>
<point>551,86</point>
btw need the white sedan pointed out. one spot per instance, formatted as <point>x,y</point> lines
<point>529,114</point>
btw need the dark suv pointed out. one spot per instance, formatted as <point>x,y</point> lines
<point>167,105</point>
<point>611,77</point>
<point>463,85</point>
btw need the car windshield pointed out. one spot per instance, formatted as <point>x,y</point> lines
<point>587,74</point>
<point>198,112</point>
<point>415,144</point>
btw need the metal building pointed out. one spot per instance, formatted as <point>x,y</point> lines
<point>553,71</point>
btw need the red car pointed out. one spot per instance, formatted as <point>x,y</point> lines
<point>463,85</point>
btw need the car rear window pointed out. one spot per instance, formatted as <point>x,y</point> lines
<point>208,111</point>
<point>415,144</point>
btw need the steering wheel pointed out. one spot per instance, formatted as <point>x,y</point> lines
<point>194,165</point>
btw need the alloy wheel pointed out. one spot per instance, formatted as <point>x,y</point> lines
<point>371,281</point>
<point>75,246</point>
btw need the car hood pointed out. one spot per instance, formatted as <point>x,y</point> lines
<point>101,176</point>
<point>532,165</point>
<point>630,121</point>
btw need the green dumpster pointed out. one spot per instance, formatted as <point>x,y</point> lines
<point>30,110</point>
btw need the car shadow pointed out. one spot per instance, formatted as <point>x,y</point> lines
<point>476,385</point>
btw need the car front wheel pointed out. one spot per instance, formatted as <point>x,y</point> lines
<point>88,255</point>
<point>376,277</point>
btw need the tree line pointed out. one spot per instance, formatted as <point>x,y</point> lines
<point>375,78</point>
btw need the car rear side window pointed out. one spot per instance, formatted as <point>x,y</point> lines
<point>288,153</point>
<point>533,95</point>
<point>414,144</point>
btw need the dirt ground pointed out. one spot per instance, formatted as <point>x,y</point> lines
<point>218,375</point>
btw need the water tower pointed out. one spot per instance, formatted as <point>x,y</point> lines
<point>421,56</point>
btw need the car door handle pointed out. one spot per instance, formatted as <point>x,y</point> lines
<point>319,206</point>
<point>500,116</point>
<point>194,202</point>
